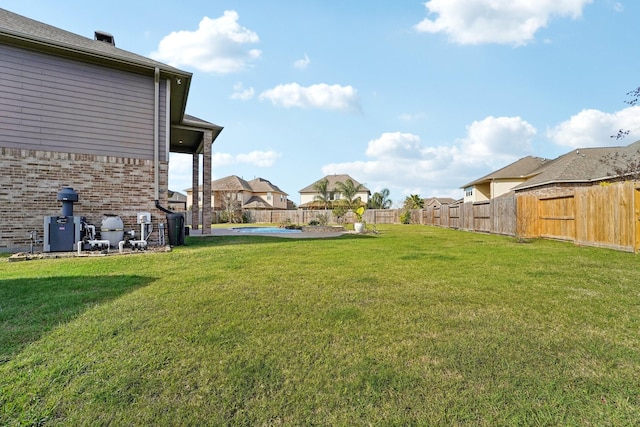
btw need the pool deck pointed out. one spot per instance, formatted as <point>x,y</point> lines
<point>302,235</point>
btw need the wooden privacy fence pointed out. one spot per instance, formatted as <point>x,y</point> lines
<point>599,215</point>
<point>602,215</point>
<point>496,216</point>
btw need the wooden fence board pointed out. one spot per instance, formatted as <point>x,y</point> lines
<point>606,216</point>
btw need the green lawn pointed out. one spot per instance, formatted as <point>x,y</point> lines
<point>414,326</point>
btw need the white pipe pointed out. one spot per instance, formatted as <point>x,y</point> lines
<point>92,243</point>
<point>140,244</point>
<point>92,231</point>
<point>105,243</point>
<point>121,246</point>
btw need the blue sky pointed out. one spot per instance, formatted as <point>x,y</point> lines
<point>420,97</point>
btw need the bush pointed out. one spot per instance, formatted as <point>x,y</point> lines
<point>405,217</point>
<point>322,219</point>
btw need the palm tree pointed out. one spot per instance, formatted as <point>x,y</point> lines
<point>413,202</point>
<point>380,200</point>
<point>349,190</point>
<point>322,188</point>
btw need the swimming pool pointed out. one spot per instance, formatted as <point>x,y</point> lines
<point>265,230</point>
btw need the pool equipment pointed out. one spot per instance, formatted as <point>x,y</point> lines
<point>61,232</point>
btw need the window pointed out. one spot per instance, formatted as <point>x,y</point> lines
<point>468,192</point>
<point>269,195</point>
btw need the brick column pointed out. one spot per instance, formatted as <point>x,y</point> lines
<point>206,182</point>
<point>195,192</point>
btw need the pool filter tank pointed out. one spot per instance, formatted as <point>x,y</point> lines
<point>61,232</point>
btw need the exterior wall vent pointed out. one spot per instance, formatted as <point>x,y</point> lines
<point>105,37</point>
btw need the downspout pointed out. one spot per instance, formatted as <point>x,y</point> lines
<point>156,142</point>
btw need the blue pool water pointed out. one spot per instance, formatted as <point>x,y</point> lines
<point>264,230</point>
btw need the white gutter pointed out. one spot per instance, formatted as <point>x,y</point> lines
<point>156,142</point>
<point>156,135</point>
<point>167,120</point>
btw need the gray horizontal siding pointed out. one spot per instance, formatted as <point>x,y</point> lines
<point>54,104</point>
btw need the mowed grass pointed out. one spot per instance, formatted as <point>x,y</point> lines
<point>414,326</point>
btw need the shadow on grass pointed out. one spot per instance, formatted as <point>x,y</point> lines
<point>29,308</point>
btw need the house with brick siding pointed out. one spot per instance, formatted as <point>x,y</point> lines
<point>259,193</point>
<point>80,112</point>
<point>584,167</point>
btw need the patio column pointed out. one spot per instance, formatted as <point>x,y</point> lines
<point>195,192</point>
<point>206,181</point>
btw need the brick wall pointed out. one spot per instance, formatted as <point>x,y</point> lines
<point>30,181</point>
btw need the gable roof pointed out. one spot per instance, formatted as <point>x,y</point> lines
<point>230,183</point>
<point>583,165</point>
<point>439,201</point>
<point>175,196</point>
<point>235,183</point>
<point>26,33</point>
<point>257,202</point>
<point>523,168</point>
<point>332,181</point>
<point>261,185</point>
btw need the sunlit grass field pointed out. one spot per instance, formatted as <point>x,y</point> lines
<point>415,325</point>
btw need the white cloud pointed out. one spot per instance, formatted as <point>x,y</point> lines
<point>262,159</point>
<point>242,94</point>
<point>218,46</point>
<point>302,63</point>
<point>593,128</point>
<point>513,22</point>
<point>180,165</point>
<point>407,117</point>
<point>395,145</point>
<point>322,96</point>
<point>400,162</point>
<point>256,158</point>
<point>488,139</point>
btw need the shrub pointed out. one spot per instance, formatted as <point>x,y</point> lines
<point>405,217</point>
<point>322,219</point>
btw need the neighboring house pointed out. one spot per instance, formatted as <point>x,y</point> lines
<point>177,201</point>
<point>585,167</point>
<point>309,195</point>
<point>80,112</point>
<point>504,180</point>
<point>258,193</point>
<point>436,202</point>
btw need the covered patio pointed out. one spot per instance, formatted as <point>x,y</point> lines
<point>195,136</point>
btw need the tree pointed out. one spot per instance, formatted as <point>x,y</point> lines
<point>380,200</point>
<point>322,188</point>
<point>623,164</point>
<point>231,206</point>
<point>349,191</point>
<point>339,211</point>
<point>635,97</point>
<point>413,201</point>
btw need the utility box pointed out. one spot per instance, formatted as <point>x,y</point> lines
<point>61,233</point>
